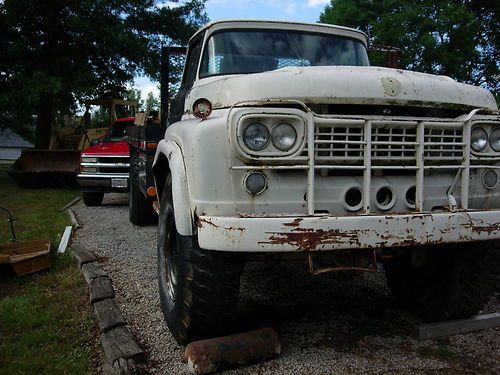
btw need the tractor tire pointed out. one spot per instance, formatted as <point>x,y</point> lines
<point>140,209</point>
<point>92,199</point>
<point>454,283</point>
<point>199,288</point>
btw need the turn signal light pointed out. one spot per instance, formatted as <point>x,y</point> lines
<point>151,191</point>
<point>202,108</point>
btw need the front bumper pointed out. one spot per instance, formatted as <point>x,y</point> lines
<point>107,183</point>
<point>313,233</point>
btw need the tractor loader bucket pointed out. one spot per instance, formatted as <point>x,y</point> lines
<point>46,168</point>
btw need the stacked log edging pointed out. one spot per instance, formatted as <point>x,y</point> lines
<point>120,348</point>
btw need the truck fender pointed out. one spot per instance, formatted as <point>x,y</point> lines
<point>169,159</point>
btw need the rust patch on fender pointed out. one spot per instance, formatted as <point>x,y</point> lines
<point>306,239</point>
<point>484,228</point>
<point>294,223</point>
<point>203,222</point>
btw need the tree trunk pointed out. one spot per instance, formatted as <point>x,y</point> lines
<point>44,121</point>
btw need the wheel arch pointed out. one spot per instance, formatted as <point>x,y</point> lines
<point>169,159</point>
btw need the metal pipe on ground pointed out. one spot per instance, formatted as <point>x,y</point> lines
<point>221,353</point>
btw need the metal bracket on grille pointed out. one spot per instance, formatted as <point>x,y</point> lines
<point>451,199</point>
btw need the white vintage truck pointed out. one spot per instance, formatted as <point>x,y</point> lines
<point>283,140</point>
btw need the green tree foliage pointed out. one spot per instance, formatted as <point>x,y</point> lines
<point>455,38</point>
<point>57,53</point>
<point>152,102</point>
<point>135,95</point>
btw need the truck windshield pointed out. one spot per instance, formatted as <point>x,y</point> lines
<point>253,51</point>
<point>117,131</point>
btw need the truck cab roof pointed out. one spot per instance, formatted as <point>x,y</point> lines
<point>283,25</point>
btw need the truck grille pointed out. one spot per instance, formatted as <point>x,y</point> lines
<point>108,164</point>
<point>391,144</point>
<point>367,151</point>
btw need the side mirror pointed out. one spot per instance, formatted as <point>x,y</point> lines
<point>95,141</point>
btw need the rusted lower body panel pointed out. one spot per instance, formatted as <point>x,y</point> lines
<point>313,233</point>
<point>221,353</point>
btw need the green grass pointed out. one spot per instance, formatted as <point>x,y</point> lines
<point>46,321</point>
<point>36,210</point>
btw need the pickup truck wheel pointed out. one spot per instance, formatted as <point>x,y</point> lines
<point>455,282</point>
<point>92,199</point>
<point>140,209</point>
<point>199,288</point>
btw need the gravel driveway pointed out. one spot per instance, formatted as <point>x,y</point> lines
<point>327,325</point>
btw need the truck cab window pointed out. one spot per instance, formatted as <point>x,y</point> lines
<point>254,51</point>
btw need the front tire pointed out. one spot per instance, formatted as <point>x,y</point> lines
<point>140,209</point>
<point>199,288</point>
<point>92,199</point>
<point>455,282</point>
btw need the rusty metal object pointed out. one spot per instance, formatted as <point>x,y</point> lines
<point>372,266</point>
<point>221,353</point>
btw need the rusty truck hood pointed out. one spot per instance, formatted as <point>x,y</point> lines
<point>341,85</point>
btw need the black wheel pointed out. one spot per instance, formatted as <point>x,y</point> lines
<point>92,199</point>
<point>140,209</point>
<point>199,288</point>
<point>455,282</point>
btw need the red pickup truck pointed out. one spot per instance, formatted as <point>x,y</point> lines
<point>104,167</point>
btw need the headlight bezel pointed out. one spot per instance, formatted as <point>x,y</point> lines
<point>271,118</point>
<point>491,127</point>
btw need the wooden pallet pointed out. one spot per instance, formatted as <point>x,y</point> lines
<point>26,257</point>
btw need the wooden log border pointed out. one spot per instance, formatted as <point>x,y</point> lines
<point>120,348</point>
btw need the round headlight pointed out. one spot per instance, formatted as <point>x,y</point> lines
<point>256,136</point>
<point>495,140</point>
<point>478,139</point>
<point>284,136</point>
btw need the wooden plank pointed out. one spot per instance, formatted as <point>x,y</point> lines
<point>101,288</point>
<point>31,265</point>
<point>91,271</point>
<point>72,217</point>
<point>25,247</point>
<point>108,315</point>
<point>65,239</point>
<point>120,367</point>
<point>14,258</point>
<point>24,244</point>
<point>82,255</point>
<point>119,343</point>
<point>107,369</point>
<point>125,366</point>
<point>71,203</point>
<point>453,327</point>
